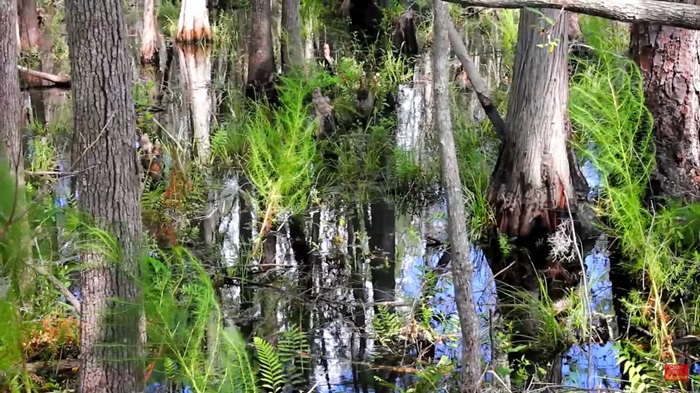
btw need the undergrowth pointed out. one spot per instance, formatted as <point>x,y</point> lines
<point>614,132</point>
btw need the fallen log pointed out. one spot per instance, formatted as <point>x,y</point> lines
<point>56,80</point>
<point>632,11</point>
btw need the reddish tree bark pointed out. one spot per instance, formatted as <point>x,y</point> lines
<point>669,58</point>
<point>532,178</point>
<point>149,35</point>
<point>107,189</point>
<point>193,24</point>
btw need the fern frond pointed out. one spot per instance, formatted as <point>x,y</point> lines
<point>293,346</point>
<point>271,375</point>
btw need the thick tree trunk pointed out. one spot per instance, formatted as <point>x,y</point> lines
<point>195,66</point>
<point>261,62</point>
<point>149,35</point>
<point>632,11</point>
<point>460,248</point>
<point>10,136</point>
<point>292,47</point>
<point>193,24</point>
<point>670,61</point>
<point>107,189</point>
<point>532,179</point>
<point>29,31</point>
<point>10,120</point>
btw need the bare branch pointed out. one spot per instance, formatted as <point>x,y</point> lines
<point>57,80</point>
<point>59,285</point>
<point>478,83</point>
<point>632,11</point>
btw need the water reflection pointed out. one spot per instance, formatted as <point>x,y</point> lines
<point>594,365</point>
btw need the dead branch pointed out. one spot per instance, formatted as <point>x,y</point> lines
<point>57,80</point>
<point>478,83</point>
<point>57,365</point>
<point>59,285</point>
<point>632,11</point>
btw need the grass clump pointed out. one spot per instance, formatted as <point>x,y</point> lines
<point>476,147</point>
<point>537,321</point>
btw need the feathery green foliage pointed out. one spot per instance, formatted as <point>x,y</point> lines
<point>180,304</point>
<point>615,133</point>
<point>271,375</point>
<point>239,371</point>
<point>281,161</point>
<point>12,263</point>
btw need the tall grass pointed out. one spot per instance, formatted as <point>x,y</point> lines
<point>615,133</point>
<point>282,159</point>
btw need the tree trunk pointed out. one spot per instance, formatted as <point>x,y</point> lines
<point>29,31</point>
<point>632,11</point>
<point>195,66</point>
<point>10,136</point>
<point>460,248</point>
<point>149,35</point>
<point>669,58</point>
<point>193,24</point>
<point>11,147</point>
<point>261,62</point>
<point>532,179</point>
<point>107,189</point>
<point>292,47</point>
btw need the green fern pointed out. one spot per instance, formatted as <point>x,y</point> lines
<point>432,378</point>
<point>640,375</point>
<point>387,325</point>
<point>271,368</point>
<point>293,346</point>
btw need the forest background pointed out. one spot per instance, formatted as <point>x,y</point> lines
<point>356,196</point>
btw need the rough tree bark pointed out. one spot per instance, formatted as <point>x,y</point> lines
<point>261,61</point>
<point>29,31</point>
<point>669,58</point>
<point>532,179</point>
<point>149,35</point>
<point>632,11</point>
<point>193,24</point>
<point>107,189</point>
<point>460,247</point>
<point>10,136</point>
<point>11,147</point>
<point>292,46</point>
